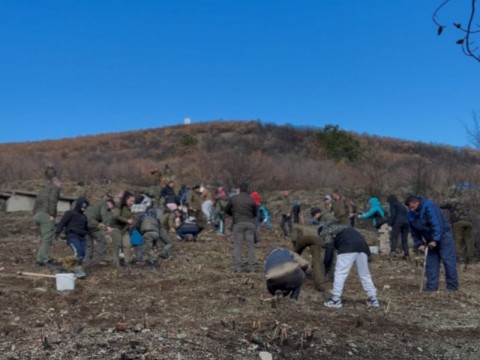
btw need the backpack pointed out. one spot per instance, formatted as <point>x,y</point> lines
<point>136,238</point>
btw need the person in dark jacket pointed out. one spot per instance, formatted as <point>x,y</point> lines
<point>430,228</point>
<point>286,213</point>
<point>169,196</point>
<point>244,212</point>
<point>399,223</point>
<point>285,272</point>
<point>75,223</point>
<point>296,212</point>
<point>352,248</point>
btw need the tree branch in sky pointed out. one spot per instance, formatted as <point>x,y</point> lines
<point>469,32</point>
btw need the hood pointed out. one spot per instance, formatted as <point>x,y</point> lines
<point>80,203</point>
<point>256,197</point>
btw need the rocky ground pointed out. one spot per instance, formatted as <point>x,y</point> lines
<point>194,307</point>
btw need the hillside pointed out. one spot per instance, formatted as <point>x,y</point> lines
<point>269,156</point>
<point>193,306</point>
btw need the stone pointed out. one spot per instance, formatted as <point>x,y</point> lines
<point>264,355</point>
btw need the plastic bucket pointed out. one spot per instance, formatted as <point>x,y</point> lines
<point>373,249</point>
<point>65,281</point>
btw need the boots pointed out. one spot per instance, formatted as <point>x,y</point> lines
<point>79,272</point>
<point>166,251</point>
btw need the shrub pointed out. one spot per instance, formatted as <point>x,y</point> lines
<point>339,144</point>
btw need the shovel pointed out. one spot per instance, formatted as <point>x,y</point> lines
<point>424,268</point>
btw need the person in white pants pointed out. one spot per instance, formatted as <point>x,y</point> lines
<point>352,249</point>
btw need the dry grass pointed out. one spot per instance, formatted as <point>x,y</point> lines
<point>194,307</point>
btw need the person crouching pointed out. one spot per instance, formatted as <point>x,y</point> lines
<point>285,272</point>
<point>75,224</point>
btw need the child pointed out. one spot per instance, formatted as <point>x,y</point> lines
<point>76,228</point>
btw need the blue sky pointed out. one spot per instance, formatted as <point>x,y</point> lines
<point>71,68</point>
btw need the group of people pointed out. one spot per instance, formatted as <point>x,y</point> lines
<point>142,227</point>
<point>148,224</point>
<point>330,230</point>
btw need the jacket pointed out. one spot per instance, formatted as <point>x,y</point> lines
<point>458,209</point>
<point>120,217</point>
<point>98,214</point>
<point>167,221</point>
<point>304,236</point>
<point>398,212</point>
<point>341,209</point>
<point>427,222</point>
<point>375,212</point>
<point>282,262</point>
<point>286,207</point>
<point>344,239</point>
<point>242,208</point>
<point>46,200</point>
<point>148,222</point>
<point>169,195</point>
<point>264,214</point>
<point>327,212</point>
<point>74,221</point>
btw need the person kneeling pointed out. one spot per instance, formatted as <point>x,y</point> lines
<point>352,249</point>
<point>285,272</point>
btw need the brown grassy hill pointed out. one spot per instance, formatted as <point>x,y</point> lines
<point>269,156</point>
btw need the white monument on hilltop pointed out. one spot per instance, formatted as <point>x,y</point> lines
<point>187,121</point>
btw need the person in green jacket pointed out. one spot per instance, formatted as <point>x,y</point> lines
<point>99,216</point>
<point>121,222</point>
<point>304,236</point>
<point>44,214</point>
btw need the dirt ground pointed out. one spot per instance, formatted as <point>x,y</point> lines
<point>194,307</point>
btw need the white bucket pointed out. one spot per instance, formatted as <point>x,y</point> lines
<point>373,249</point>
<point>65,281</point>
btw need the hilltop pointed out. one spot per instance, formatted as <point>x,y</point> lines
<point>271,157</point>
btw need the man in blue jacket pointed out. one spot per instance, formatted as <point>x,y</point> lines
<point>430,228</point>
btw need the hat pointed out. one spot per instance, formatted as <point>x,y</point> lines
<point>315,211</point>
<point>328,197</point>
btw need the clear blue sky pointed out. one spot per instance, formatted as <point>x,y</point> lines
<point>72,68</point>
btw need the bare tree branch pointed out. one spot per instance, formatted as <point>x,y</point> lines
<point>473,131</point>
<point>467,40</point>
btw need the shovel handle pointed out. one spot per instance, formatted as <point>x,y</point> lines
<point>424,268</point>
<point>25,273</point>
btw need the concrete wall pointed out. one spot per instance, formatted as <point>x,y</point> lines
<point>25,203</point>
